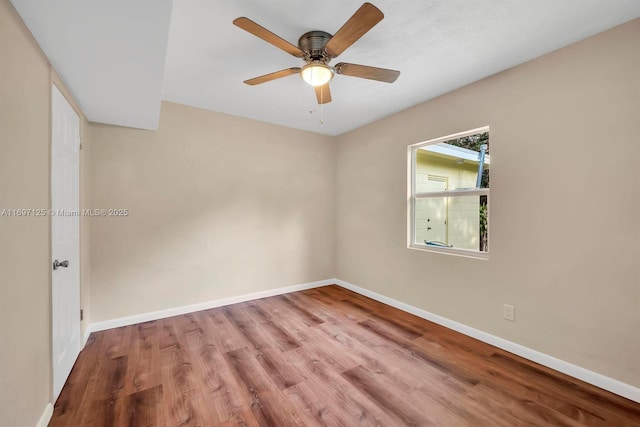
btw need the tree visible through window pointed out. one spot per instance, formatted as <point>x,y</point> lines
<point>449,202</point>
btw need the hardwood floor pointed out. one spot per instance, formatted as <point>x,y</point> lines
<point>325,356</point>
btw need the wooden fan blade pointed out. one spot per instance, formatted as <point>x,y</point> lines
<point>323,94</point>
<point>366,72</point>
<point>272,76</point>
<point>266,35</point>
<point>362,21</point>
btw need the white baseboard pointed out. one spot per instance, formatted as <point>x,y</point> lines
<point>46,416</point>
<point>161,314</point>
<point>85,338</point>
<point>599,380</point>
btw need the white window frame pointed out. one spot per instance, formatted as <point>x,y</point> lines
<point>412,196</point>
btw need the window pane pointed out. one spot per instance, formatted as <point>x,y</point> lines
<point>457,164</point>
<point>457,222</point>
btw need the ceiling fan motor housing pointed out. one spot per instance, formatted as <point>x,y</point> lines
<point>313,45</point>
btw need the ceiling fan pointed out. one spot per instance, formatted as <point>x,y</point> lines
<point>318,48</point>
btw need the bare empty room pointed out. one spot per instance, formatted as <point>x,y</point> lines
<point>245,213</point>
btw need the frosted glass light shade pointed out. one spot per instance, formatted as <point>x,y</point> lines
<point>316,73</point>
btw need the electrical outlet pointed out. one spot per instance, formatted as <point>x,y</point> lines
<point>509,312</point>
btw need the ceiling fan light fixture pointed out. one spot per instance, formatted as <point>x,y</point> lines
<point>316,73</point>
<point>317,48</point>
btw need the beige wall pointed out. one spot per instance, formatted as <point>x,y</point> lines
<point>25,326</point>
<point>25,362</point>
<point>564,226</point>
<point>218,206</point>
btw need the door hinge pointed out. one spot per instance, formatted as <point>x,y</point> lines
<point>81,314</point>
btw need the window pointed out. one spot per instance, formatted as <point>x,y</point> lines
<point>449,194</point>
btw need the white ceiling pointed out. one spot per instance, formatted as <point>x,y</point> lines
<point>438,45</point>
<point>109,53</point>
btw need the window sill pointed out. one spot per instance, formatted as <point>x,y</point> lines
<point>451,251</point>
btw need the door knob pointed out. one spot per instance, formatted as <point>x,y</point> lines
<point>57,264</point>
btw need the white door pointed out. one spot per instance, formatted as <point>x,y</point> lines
<point>65,226</point>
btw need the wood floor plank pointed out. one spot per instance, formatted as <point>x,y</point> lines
<point>142,370</point>
<point>303,314</point>
<point>222,333</point>
<point>393,404</point>
<point>247,328</point>
<point>261,396</point>
<point>561,384</point>
<point>319,348</point>
<point>273,331</point>
<point>142,408</point>
<point>302,300</point>
<point>334,309</point>
<point>444,366</point>
<point>401,369</point>
<point>561,395</point>
<point>328,404</point>
<point>283,374</point>
<point>320,357</point>
<point>69,406</point>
